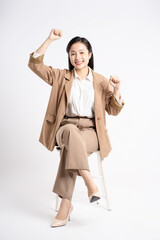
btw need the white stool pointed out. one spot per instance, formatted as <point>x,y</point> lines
<point>100,176</point>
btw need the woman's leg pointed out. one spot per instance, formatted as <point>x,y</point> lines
<point>63,209</point>
<point>86,175</point>
<point>73,156</point>
<point>76,144</point>
<point>92,145</point>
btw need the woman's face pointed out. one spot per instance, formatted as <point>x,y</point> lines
<point>79,55</point>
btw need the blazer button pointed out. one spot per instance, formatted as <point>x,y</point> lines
<point>98,118</point>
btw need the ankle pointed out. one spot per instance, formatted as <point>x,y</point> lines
<point>91,188</point>
<point>65,202</point>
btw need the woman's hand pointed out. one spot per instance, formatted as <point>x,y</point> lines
<point>55,34</point>
<point>115,82</point>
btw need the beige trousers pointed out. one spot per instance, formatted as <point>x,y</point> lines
<point>77,139</point>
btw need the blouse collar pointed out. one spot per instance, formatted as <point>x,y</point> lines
<point>89,77</point>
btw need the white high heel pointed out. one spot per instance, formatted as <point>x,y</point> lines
<point>57,223</point>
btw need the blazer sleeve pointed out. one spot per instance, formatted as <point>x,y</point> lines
<point>112,105</point>
<point>47,73</point>
<point>35,55</point>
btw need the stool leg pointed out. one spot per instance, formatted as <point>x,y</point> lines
<point>100,163</point>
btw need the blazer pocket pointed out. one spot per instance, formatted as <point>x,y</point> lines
<point>50,118</point>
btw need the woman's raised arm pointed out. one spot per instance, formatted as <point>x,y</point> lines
<point>47,73</point>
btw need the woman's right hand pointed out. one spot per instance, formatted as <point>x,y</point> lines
<point>55,34</point>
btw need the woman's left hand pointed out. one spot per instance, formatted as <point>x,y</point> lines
<point>115,82</point>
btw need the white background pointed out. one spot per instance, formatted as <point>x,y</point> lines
<point>125,39</point>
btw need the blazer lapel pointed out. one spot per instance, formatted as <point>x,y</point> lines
<point>97,91</point>
<point>69,76</point>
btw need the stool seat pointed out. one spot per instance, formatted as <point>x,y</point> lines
<point>99,176</point>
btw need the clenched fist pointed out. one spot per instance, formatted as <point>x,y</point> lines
<point>55,34</point>
<point>115,82</point>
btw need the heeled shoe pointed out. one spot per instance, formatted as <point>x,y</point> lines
<point>94,197</point>
<point>57,222</point>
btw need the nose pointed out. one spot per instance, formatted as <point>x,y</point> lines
<point>78,57</point>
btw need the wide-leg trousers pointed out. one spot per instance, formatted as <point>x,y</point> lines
<point>77,138</point>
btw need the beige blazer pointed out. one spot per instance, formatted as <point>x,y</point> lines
<point>61,81</point>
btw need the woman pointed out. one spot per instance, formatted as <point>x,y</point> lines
<point>75,119</point>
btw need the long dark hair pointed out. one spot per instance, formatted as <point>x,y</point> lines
<point>89,47</point>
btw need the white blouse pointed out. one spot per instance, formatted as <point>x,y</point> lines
<point>81,101</point>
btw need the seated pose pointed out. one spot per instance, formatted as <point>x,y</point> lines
<point>75,117</point>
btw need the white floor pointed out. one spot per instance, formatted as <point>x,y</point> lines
<point>26,213</point>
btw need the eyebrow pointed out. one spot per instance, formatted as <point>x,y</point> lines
<point>79,50</point>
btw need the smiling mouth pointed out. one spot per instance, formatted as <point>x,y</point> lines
<point>78,63</point>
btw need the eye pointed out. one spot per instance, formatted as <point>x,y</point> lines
<point>81,52</point>
<point>72,54</point>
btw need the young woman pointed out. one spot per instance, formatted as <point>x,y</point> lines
<point>75,116</point>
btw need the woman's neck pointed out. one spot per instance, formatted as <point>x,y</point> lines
<point>82,73</point>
